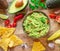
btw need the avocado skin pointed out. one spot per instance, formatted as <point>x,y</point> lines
<point>53,4</point>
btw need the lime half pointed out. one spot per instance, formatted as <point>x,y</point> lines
<point>2,16</point>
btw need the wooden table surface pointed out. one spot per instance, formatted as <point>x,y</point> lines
<point>54,26</point>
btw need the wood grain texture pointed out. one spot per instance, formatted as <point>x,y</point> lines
<point>54,26</point>
<point>3,4</point>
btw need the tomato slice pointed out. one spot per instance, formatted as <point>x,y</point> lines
<point>52,16</point>
<point>14,24</point>
<point>42,0</point>
<point>58,19</point>
<point>10,26</point>
<point>7,22</point>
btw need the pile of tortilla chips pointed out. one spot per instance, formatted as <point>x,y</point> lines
<point>8,39</point>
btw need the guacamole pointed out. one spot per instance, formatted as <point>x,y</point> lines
<point>36,25</point>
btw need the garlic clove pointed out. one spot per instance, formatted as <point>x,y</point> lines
<point>57,41</point>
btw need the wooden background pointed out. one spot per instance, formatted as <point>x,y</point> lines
<point>54,26</point>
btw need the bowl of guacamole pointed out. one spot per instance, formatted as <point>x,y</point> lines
<point>36,24</point>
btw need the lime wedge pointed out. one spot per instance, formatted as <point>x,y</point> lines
<point>2,16</point>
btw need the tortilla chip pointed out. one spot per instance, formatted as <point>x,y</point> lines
<point>4,43</point>
<point>2,31</point>
<point>38,46</point>
<point>15,41</point>
<point>6,32</point>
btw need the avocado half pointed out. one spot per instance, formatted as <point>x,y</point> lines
<point>52,4</point>
<point>13,9</point>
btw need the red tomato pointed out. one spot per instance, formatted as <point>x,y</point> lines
<point>42,0</point>
<point>52,16</point>
<point>7,22</point>
<point>14,24</point>
<point>10,26</point>
<point>58,19</point>
<point>18,17</point>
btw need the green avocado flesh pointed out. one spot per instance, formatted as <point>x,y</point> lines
<point>36,25</point>
<point>13,9</point>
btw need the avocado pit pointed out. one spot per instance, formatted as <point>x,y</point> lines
<point>19,3</point>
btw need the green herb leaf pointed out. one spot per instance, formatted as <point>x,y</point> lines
<point>37,1</point>
<point>43,5</point>
<point>31,6</point>
<point>33,1</point>
<point>36,5</point>
<point>43,19</point>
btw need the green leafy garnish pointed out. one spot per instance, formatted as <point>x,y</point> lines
<point>33,1</point>
<point>31,6</point>
<point>42,5</point>
<point>37,4</point>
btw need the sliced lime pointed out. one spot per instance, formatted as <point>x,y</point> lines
<point>2,16</point>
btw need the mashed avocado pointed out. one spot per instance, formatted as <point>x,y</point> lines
<point>36,25</point>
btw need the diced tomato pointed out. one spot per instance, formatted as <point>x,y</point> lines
<point>14,24</point>
<point>52,16</point>
<point>58,19</point>
<point>10,26</point>
<point>16,18</point>
<point>42,0</point>
<point>7,22</point>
